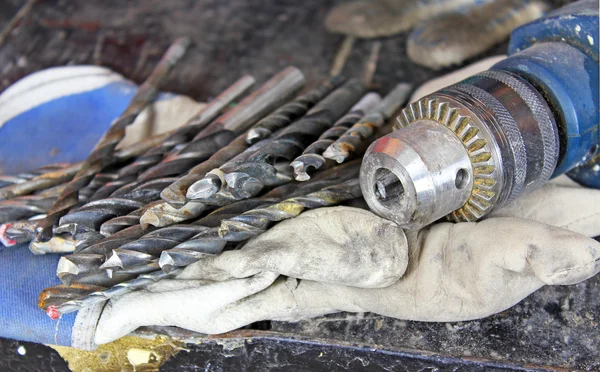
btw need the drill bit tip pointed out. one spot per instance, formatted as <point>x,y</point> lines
<point>58,244</point>
<point>256,134</point>
<point>162,214</point>
<point>242,185</point>
<point>303,163</point>
<point>337,152</point>
<point>205,188</point>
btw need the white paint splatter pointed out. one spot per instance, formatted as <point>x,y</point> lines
<point>21,350</point>
<point>591,40</point>
<point>577,28</point>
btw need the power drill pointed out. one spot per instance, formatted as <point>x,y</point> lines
<point>474,146</point>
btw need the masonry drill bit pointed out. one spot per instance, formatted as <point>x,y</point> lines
<point>7,180</point>
<point>145,249</point>
<point>142,281</point>
<point>287,113</point>
<point>234,122</point>
<point>102,154</point>
<point>175,194</point>
<point>179,136</point>
<point>360,132</point>
<point>254,222</point>
<point>250,177</point>
<point>66,174</point>
<point>312,155</point>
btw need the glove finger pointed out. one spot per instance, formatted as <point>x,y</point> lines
<point>574,208</point>
<point>469,271</point>
<point>185,307</point>
<point>335,245</point>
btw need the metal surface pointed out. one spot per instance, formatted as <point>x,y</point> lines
<point>233,123</point>
<point>248,178</point>
<point>287,113</point>
<point>155,242</point>
<point>102,154</point>
<point>360,132</point>
<point>179,136</point>
<point>252,223</point>
<point>274,122</point>
<point>311,157</point>
<point>486,154</point>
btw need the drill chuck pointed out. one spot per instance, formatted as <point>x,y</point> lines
<point>462,151</point>
<point>476,145</point>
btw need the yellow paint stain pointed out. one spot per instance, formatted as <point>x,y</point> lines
<point>125,354</point>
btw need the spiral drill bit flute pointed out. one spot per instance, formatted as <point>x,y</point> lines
<point>277,120</point>
<point>150,245</point>
<point>311,157</point>
<point>102,154</point>
<point>175,194</point>
<point>179,136</point>
<point>236,121</point>
<point>249,224</point>
<point>249,178</point>
<point>360,132</point>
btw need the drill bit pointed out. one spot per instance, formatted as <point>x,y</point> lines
<point>24,207</point>
<point>18,232</point>
<point>116,224</point>
<point>142,281</point>
<point>63,175</point>
<point>287,113</point>
<point>59,244</point>
<point>85,224</point>
<point>214,180</point>
<point>254,222</point>
<point>7,180</point>
<point>312,155</point>
<point>59,294</point>
<point>145,249</point>
<point>234,122</point>
<point>164,214</point>
<point>328,196</point>
<point>179,136</point>
<point>102,154</point>
<point>259,170</point>
<point>360,132</point>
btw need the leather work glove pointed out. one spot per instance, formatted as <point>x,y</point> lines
<point>348,259</point>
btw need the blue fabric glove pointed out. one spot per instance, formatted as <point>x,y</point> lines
<point>55,115</point>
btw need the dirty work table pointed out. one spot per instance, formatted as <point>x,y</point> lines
<point>556,327</point>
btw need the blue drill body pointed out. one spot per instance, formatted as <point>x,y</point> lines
<point>558,55</point>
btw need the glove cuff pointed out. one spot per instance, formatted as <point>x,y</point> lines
<point>84,329</point>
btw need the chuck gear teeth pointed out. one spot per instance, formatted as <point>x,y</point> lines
<point>480,201</point>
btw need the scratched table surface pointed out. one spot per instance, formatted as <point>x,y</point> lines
<point>555,328</point>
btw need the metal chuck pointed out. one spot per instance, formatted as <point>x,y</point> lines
<point>462,151</point>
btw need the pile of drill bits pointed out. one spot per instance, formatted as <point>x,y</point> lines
<point>130,217</point>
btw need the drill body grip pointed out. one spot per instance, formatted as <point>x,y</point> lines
<point>558,55</point>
